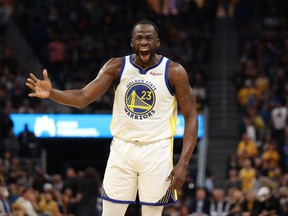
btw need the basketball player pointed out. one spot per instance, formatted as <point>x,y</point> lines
<point>148,88</point>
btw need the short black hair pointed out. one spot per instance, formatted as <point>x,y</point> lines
<point>148,22</point>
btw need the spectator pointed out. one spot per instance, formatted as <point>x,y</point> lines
<point>57,182</point>
<point>232,163</point>
<point>262,83</point>
<point>17,210</point>
<point>5,208</point>
<point>236,201</point>
<point>209,181</point>
<point>254,124</point>
<point>40,179</point>
<point>27,202</point>
<point>247,176</point>
<point>248,202</point>
<point>71,180</point>
<point>278,122</point>
<point>2,174</point>
<point>57,55</point>
<point>285,157</point>
<point>28,143</point>
<point>219,206</point>
<point>246,148</point>
<point>172,210</point>
<point>248,95</point>
<point>200,204</point>
<point>14,170</point>
<point>48,205</point>
<point>257,164</point>
<point>233,181</point>
<point>270,156</point>
<point>14,193</point>
<point>67,205</point>
<point>266,204</point>
<point>283,197</point>
<point>89,190</point>
<point>6,161</point>
<point>265,113</point>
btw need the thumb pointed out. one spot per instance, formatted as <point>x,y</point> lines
<point>45,75</point>
<point>170,177</point>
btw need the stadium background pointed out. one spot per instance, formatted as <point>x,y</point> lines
<point>236,54</point>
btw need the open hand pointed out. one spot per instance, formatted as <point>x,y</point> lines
<point>40,88</point>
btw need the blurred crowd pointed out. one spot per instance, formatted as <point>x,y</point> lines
<point>40,194</point>
<point>259,165</point>
<point>73,39</point>
<point>256,181</point>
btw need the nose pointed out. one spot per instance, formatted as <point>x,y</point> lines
<point>143,42</point>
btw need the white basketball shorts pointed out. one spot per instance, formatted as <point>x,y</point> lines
<point>133,167</point>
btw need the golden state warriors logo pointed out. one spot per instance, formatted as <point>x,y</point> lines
<point>140,99</point>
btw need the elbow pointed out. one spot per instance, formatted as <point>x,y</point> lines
<point>84,101</point>
<point>83,104</point>
<point>81,107</point>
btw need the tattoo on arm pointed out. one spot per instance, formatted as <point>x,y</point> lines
<point>184,91</point>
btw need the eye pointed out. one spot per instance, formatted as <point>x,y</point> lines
<point>138,38</point>
<point>149,38</point>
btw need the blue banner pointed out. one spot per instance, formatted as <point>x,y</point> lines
<point>78,125</point>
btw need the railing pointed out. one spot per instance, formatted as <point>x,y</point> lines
<point>202,151</point>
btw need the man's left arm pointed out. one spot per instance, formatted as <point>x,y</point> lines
<point>187,102</point>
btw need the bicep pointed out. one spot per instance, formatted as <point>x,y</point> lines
<point>101,84</point>
<point>184,93</point>
<point>97,87</point>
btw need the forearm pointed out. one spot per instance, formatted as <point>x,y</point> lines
<point>73,98</point>
<point>189,140</point>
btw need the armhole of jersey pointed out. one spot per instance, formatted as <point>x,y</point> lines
<point>169,87</point>
<point>121,71</point>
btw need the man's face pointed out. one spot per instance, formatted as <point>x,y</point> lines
<point>145,42</point>
<point>201,194</point>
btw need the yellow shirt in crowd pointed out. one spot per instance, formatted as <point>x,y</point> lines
<point>247,177</point>
<point>247,149</point>
<point>50,208</point>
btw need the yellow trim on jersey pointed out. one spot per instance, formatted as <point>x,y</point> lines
<point>171,149</point>
<point>175,195</point>
<point>171,152</point>
<point>173,118</point>
<point>111,124</point>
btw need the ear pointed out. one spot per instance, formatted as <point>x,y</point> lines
<point>131,43</point>
<point>158,42</point>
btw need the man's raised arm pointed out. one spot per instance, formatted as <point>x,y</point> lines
<point>78,98</point>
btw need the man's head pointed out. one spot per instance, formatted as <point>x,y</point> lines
<point>263,194</point>
<point>4,192</point>
<point>145,22</point>
<point>218,195</point>
<point>145,41</point>
<point>27,193</point>
<point>200,194</point>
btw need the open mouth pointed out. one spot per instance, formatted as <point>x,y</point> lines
<point>144,55</point>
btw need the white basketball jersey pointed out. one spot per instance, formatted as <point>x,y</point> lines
<point>145,108</point>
